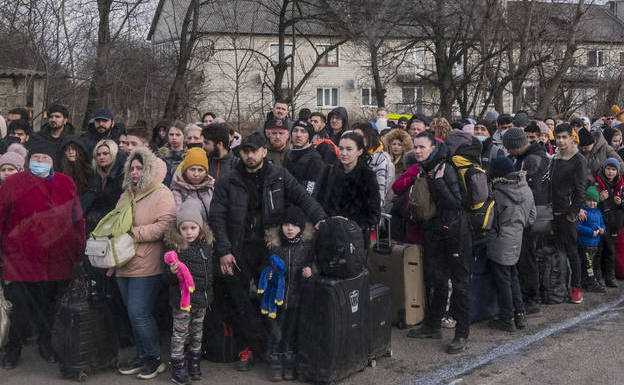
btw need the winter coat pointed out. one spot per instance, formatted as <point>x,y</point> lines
<point>92,136</point>
<point>274,156</point>
<point>42,230</point>
<point>79,168</point>
<point>296,256</point>
<point>103,193</point>
<point>342,113</point>
<point>172,160</point>
<point>489,152</point>
<point>182,190</point>
<point>536,164</point>
<point>513,212</point>
<point>567,182</point>
<point>220,167</point>
<point>327,149</point>
<point>597,156</point>
<point>586,228</point>
<point>354,195</point>
<point>45,133</point>
<point>152,215</point>
<point>382,166</point>
<point>612,213</point>
<point>306,166</point>
<point>197,256</point>
<point>406,142</point>
<point>413,230</point>
<point>229,206</point>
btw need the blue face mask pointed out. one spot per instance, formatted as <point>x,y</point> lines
<point>39,168</point>
<point>481,138</point>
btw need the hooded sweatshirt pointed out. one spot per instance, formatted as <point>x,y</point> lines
<point>342,113</point>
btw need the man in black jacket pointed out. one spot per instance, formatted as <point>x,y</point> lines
<point>57,127</point>
<point>567,188</point>
<point>221,160</point>
<point>102,127</point>
<point>448,244</point>
<point>303,161</point>
<point>251,199</point>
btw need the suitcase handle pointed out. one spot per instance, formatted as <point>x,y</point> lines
<point>384,247</point>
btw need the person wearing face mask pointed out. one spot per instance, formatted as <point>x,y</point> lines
<point>73,161</point>
<point>544,138</point>
<point>41,236</point>
<point>489,150</point>
<point>192,181</point>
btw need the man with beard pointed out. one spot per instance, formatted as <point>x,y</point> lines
<point>217,146</point>
<point>249,200</point>
<point>278,135</point>
<point>57,127</point>
<point>103,127</point>
<point>303,161</point>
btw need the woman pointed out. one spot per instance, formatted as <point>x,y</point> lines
<point>73,161</point>
<point>104,183</point>
<point>397,143</point>
<point>159,135</point>
<point>379,160</point>
<point>139,279</point>
<point>349,189</point>
<point>440,127</point>
<point>192,181</point>
<point>175,150</point>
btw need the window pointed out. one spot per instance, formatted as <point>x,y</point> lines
<point>369,97</point>
<point>530,94</point>
<point>330,59</point>
<point>327,97</point>
<point>413,98</point>
<point>275,52</point>
<point>595,58</point>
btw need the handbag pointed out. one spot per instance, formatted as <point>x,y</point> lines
<point>112,243</point>
<point>5,322</point>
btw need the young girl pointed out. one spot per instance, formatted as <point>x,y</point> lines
<point>192,240</point>
<point>192,181</point>
<point>292,243</point>
<point>12,161</point>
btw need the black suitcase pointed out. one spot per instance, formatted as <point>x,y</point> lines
<point>380,310</point>
<point>335,340</point>
<point>83,335</point>
<point>339,248</point>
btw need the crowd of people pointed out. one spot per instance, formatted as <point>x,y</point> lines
<point>225,203</point>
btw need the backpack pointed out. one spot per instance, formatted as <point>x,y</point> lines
<point>339,248</point>
<point>476,194</point>
<point>553,274</point>
<point>329,141</point>
<point>420,203</point>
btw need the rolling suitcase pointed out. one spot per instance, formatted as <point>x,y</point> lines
<point>335,340</point>
<point>400,267</point>
<point>380,309</point>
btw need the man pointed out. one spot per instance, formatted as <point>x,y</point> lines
<point>43,235</point>
<point>136,137</point>
<point>103,127</point>
<point>279,111</point>
<point>17,114</point>
<point>303,161</point>
<point>278,136</point>
<point>448,244</point>
<point>596,150</point>
<point>531,158</point>
<point>402,123</point>
<point>577,124</point>
<point>337,123</point>
<point>318,121</point>
<point>248,201</point>
<point>567,188</point>
<point>503,123</point>
<point>21,130</point>
<point>57,127</point>
<point>521,119</point>
<point>221,161</point>
<point>532,133</point>
<point>417,124</point>
<point>489,151</point>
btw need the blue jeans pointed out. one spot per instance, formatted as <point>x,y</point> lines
<point>139,294</point>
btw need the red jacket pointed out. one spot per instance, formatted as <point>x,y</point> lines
<point>42,231</point>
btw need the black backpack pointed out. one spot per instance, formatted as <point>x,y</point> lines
<point>339,248</point>
<point>553,274</point>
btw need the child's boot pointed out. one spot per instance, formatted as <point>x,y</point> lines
<point>194,368</point>
<point>289,366</point>
<point>179,374</point>
<point>275,367</point>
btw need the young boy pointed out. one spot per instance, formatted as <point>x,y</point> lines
<point>610,187</point>
<point>292,243</point>
<point>589,232</point>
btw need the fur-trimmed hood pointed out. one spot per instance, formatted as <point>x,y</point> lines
<point>512,187</point>
<point>173,239</point>
<point>273,239</point>
<point>402,135</point>
<point>154,170</point>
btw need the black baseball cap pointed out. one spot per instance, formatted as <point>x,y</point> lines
<point>254,141</point>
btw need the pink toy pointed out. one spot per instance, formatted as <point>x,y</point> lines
<point>187,285</point>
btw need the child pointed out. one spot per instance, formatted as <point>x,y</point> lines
<point>292,243</point>
<point>513,212</point>
<point>192,240</point>
<point>610,185</point>
<point>589,232</point>
<point>12,161</point>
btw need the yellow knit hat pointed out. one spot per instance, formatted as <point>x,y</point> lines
<point>195,156</point>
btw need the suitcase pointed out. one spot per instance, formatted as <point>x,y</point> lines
<point>339,248</point>
<point>400,267</point>
<point>380,309</point>
<point>83,334</point>
<point>335,342</point>
<point>483,290</point>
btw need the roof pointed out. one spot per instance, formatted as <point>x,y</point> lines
<point>18,72</point>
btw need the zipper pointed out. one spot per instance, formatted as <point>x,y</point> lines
<point>289,279</point>
<point>205,273</point>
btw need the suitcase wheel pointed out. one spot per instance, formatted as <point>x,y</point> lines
<point>372,363</point>
<point>389,353</point>
<point>82,377</point>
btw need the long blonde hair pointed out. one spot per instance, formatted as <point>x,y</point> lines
<point>114,149</point>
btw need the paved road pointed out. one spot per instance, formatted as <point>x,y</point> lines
<point>565,344</point>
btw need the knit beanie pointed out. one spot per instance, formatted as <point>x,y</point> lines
<point>42,146</point>
<point>15,156</point>
<point>501,166</point>
<point>190,211</point>
<point>295,216</point>
<point>585,138</point>
<point>308,127</point>
<point>195,156</point>
<point>609,162</point>
<point>608,134</point>
<point>515,138</point>
<point>521,119</point>
<point>591,194</point>
<point>491,116</point>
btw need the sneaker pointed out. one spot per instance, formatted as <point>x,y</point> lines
<point>577,295</point>
<point>151,368</point>
<point>132,367</point>
<point>532,308</point>
<point>425,332</point>
<point>448,323</point>
<point>610,281</point>
<point>9,361</point>
<point>500,324</point>
<point>246,360</point>
<point>458,345</point>
<point>275,368</point>
<point>592,286</point>
<point>520,321</point>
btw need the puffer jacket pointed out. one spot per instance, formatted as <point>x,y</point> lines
<point>586,228</point>
<point>406,142</point>
<point>197,256</point>
<point>597,156</point>
<point>220,167</point>
<point>382,166</point>
<point>152,215</point>
<point>306,166</point>
<point>296,256</point>
<point>182,190</point>
<point>612,213</point>
<point>513,212</point>
<point>536,164</point>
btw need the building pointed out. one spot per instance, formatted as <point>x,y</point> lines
<point>22,88</point>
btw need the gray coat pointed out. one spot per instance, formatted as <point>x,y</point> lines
<point>514,211</point>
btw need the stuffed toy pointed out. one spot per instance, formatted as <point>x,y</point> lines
<point>271,286</point>
<point>619,114</point>
<point>187,285</point>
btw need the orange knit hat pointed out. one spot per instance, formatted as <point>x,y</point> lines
<point>195,156</point>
